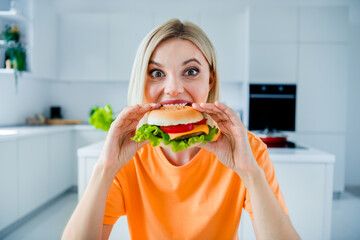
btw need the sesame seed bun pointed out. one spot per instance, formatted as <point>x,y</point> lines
<point>174,115</point>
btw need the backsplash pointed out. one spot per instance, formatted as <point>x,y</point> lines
<point>33,97</point>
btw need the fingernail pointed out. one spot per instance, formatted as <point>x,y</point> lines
<point>153,104</point>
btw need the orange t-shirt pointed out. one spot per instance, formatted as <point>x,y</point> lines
<point>200,200</point>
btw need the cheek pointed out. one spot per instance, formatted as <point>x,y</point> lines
<point>201,91</point>
<point>151,93</point>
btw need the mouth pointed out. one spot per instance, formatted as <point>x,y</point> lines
<point>176,102</point>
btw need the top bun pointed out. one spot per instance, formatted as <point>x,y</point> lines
<point>174,115</point>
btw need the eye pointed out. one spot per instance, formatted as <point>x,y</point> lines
<point>155,73</point>
<point>191,72</point>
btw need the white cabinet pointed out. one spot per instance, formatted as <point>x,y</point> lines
<point>228,33</point>
<point>273,63</point>
<point>102,47</point>
<point>45,39</point>
<point>84,138</point>
<point>307,189</point>
<point>273,24</point>
<point>61,162</point>
<point>160,18</point>
<point>334,144</point>
<point>322,86</point>
<point>37,166</point>
<point>83,39</point>
<point>323,24</point>
<point>8,183</point>
<point>273,45</point>
<point>33,173</point>
<point>126,30</point>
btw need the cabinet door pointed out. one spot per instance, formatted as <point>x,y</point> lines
<point>273,24</point>
<point>45,39</point>
<point>273,63</point>
<point>8,183</point>
<point>322,87</point>
<point>33,173</point>
<point>61,162</point>
<point>331,143</point>
<point>126,31</point>
<point>83,46</point>
<point>82,139</point>
<point>228,34</point>
<point>304,187</point>
<point>160,18</point>
<point>323,24</point>
<point>304,190</point>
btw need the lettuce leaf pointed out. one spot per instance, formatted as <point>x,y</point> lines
<point>101,118</point>
<point>155,135</point>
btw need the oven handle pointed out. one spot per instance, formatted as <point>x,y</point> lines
<point>273,96</point>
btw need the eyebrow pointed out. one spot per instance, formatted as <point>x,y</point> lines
<point>156,63</point>
<point>191,60</point>
<point>184,63</point>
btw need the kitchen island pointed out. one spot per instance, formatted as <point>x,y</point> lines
<point>306,181</point>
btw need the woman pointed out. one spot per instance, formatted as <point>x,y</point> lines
<point>197,193</point>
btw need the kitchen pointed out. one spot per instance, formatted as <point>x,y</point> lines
<point>80,56</point>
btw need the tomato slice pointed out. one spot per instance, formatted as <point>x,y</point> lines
<point>178,128</point>
<point>201,122</point>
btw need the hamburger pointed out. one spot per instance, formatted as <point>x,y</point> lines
<point>177,126</point>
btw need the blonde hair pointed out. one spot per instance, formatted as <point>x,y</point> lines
<point>173,28</point>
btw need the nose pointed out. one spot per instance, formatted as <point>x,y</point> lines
<point>173,86</point>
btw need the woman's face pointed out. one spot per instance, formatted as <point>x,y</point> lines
<point>177,73</point>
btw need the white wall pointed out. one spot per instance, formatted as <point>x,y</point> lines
<point>33,97</point>
<point>352,176</point>
<point>78,98</point>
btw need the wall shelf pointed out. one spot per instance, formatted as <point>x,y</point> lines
<point>6,71</point>
<point>12,15</point>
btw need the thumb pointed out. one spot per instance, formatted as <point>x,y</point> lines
<point>141,144</point>
<point>209,146</point>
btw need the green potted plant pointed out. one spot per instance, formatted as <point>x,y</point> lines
<point>15,54</point>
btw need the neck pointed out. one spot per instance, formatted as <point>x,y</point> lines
<point>180,158</point>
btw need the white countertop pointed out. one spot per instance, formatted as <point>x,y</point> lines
<point>277,155</point>
<point>9,133</point>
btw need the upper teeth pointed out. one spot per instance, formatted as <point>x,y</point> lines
<point>173,107</point>
<point>180,104</point>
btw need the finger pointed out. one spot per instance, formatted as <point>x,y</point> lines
<point>197,106</point>
<point>133,113</point>
<point>212,108</point>
<point>142,110</point>
<point>222,122</point>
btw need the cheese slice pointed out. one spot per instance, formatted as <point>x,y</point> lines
<point>197,128</point>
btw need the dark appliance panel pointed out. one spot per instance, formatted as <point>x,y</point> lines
<point>272,107</point>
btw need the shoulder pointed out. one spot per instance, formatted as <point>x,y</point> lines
<point>259,150</point>
<point>255,142</point>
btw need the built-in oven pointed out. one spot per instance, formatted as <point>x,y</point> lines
<point>272,109</point>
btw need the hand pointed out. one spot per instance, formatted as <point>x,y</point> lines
<point>232,147</point>
<point>119,149</point>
